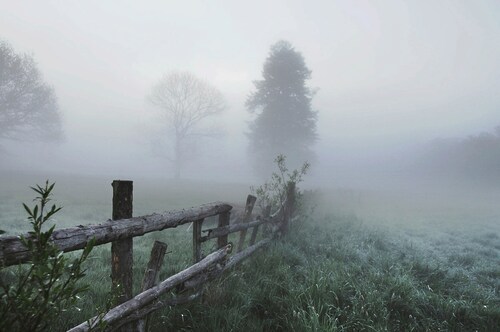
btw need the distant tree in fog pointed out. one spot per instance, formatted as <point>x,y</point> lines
<point>186,102</point>
<point>28,106</point>
<point>285,122</point>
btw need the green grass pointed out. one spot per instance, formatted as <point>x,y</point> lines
<point>360,269</point>
<point>350,278</point>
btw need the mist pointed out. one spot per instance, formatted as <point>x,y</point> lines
<point>393,227</point>
<point>391,77</point>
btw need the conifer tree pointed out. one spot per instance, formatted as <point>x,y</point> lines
<point>285,122</point>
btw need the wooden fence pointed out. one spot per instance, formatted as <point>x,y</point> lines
<point>130,314</point>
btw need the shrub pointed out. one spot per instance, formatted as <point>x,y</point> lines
<point>33,295</point>
<point>273,192</point>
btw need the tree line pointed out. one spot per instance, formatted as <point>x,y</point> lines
<point>473,158</point>
<point>283,119</point>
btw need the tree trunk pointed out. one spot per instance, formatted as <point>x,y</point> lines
<point>177,157</point>
<point>177,169</point>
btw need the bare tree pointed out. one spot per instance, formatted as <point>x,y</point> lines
<point>28,105</point>
<point>186,103</point>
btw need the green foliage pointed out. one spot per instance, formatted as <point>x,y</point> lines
<point>33,296</point>
<point>273,192</point>
<point>285,121</point>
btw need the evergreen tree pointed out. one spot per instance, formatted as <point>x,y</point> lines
<point>285,122</point>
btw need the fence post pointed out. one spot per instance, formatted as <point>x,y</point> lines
<point>223,221</point>
<point>265,215</point>
<point>196,240</point>
<point>150,276</point>
<point>248,213</point>
<point>289,206</point>
<point>121,250</point>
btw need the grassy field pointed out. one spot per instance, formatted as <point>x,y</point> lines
<point>361,261</point>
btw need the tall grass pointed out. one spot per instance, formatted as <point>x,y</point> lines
<point>344,276</point>
<point>330,273</point>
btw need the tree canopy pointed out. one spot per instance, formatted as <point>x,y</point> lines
<point>28,105</point>
<point>285,122</point>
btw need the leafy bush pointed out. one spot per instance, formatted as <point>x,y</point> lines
<point>33,295</point>
<point>273,192</point>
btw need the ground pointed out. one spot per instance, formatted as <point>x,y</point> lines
<point>358,260</point>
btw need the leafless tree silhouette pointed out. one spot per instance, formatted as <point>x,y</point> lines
<point>186,103</point>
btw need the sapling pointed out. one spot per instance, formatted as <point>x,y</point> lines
<point>34,294</point>
<point>273,192</point>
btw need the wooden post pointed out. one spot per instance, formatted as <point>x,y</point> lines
<point>122,250</point>
<point>289,206</point>
<point>223,221</point>
<point>248,213</point>
<point>265,214</point>
<point>151,275</point>
<point>153,294</point>
<point>196,240</point>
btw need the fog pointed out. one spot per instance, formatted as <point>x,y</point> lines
<point>391,76</point>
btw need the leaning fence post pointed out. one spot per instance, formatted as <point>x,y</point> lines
<point>121,250</point>
<point>223,221</point>
<point>289,206</point>
<point>151,274</point>
<point>196,240</point>
<point>265,215</point>
<point>248,213</point>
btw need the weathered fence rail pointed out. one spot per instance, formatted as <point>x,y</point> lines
<point>149,296</point>
<point>226,230</point>
<point>124,227</point>
<point>12,251</point>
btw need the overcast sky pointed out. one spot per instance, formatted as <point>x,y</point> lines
<point>390,74</point>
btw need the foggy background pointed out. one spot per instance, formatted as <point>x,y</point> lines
<point>392,77</point>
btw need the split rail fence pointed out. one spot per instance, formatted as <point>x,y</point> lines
<point>131,312</point>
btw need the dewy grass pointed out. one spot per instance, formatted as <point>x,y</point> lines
<point>315,281</point>
<point>331,273</point>
<point>304,283</point>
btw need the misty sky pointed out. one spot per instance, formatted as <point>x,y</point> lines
<point>390,74</point>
